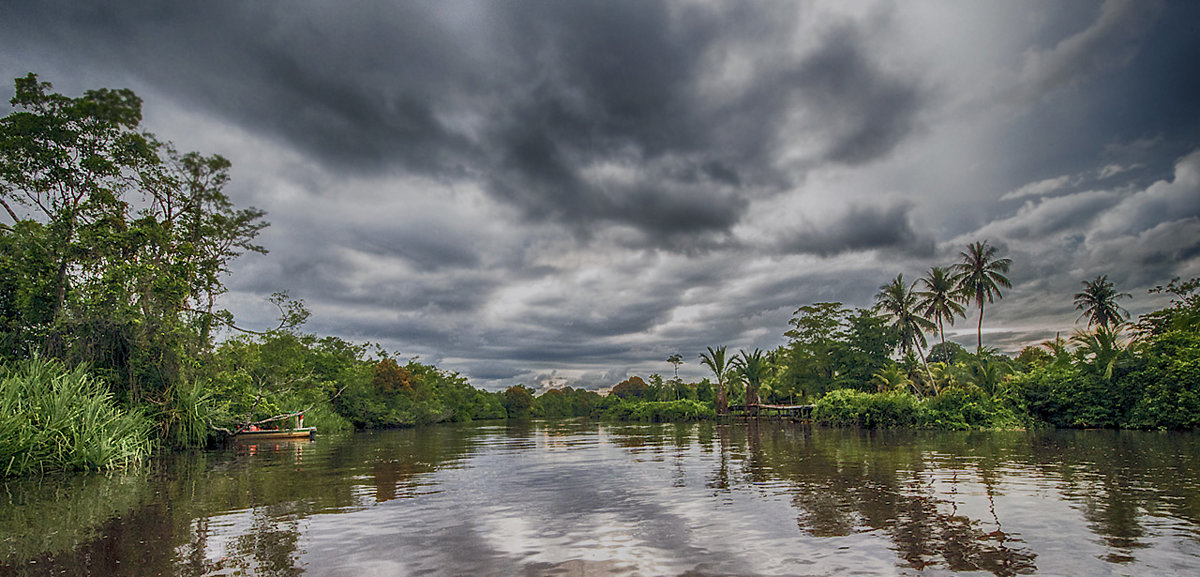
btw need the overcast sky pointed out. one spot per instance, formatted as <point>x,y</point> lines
<point>518,189</point>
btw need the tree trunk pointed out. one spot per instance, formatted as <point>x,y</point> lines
<point>722,403</point>
<point>928,373</point>
<point>979,346</point>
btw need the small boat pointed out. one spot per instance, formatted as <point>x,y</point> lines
<point>274,434</point>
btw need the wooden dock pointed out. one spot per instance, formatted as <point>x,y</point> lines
<point>781,412</point>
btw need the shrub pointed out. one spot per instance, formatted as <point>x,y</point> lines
<point>660,411</point>
<point>52,418</point>
<point>849,407</point>
<point>961,408</point>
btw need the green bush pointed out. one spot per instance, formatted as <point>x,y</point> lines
<point>956,408</point>
<point>962,408</point>
<point>184,420</point>
<point>1170,398</point>
<point>660,411</point>
<point>850,407</point>
<point>52,418</point>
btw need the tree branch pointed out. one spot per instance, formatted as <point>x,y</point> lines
<point>11,213</point>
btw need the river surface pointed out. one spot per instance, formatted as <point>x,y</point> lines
<point>611,499</point>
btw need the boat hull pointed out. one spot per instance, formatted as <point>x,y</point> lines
<point>305,433</point>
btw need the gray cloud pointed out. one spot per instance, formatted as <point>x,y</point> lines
<point>1107,42</point>
<point>887,228</point>
<point>522,187</point>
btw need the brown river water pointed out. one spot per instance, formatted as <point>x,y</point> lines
<point>583,498</point>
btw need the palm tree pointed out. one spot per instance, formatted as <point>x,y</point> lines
<point>1098,301</point>
<point>900,303</point>
<point>937,301</point>
<point>752,367</point>
<point>1058,349</point>
<point>891,378</point>
<point>980,276</point>
<point>1103,348</point>
<point>715,360</point>
<point>986,371</point>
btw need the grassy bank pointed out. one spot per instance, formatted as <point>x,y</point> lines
<point>53,418</point>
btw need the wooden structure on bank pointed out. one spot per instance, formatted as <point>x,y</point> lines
<point>781,412</point>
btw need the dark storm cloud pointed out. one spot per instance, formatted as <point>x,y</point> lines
<point>866,111</point>
<point>536,101</point>
<point>887,228</point>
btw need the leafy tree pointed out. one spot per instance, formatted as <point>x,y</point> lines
<point>714,359</point>
<point>127,286</point>
<point>937,301</point>
<point>979,277</point>
<point>1033,356</point>
<point>632,388</point>
<point>819,334</point>
<point>947,352</point>
<point>869,343</point>
<point>1098,301</point>
<point>704,392</point>
<point>70,160</point>
<point>518,400</point>
<point>676,360</point>
<point>1182,314</point>
<point>390,377</point>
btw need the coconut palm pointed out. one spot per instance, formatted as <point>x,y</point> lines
<point>1058,349</point>
<point>979,278</point>
<point>899,302</point>
<point>986,371</point>
<point>937,302</point>
<point>715,360</point>
<point>891,378</point>
<point>1098,301</point>
<point>1102,348</point>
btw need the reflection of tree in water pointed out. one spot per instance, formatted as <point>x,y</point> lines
<point>720,478</point>
<point>858,484</point>
<point>1107,491</point>
<point>269,548</point>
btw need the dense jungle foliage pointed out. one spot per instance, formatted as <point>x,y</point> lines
<point>116,247</point>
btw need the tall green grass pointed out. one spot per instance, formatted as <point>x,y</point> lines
<point>54,418</point>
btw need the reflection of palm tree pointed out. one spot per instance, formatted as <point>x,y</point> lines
<point>937,301</point>
<point>1098,301</point>
<point>980,276</point>
<point>715,360</point>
